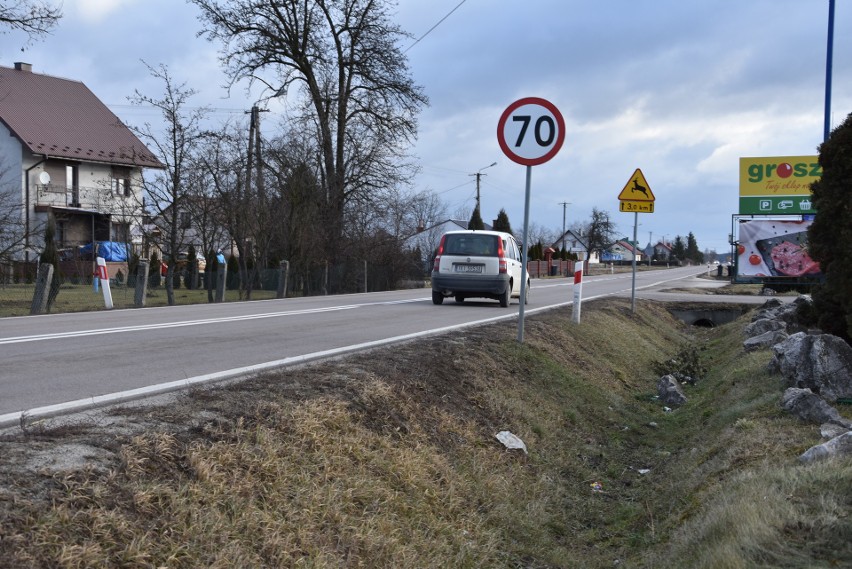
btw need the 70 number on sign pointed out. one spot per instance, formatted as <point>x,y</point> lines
<point>539,139</point>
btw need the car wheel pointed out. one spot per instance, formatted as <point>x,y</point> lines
<point>459,298</point>
<point>437,298</point>
<point>504,297</point>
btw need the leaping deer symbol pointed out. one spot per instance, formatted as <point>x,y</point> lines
<point>637,187</point>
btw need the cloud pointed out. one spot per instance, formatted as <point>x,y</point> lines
<point>95,11</point>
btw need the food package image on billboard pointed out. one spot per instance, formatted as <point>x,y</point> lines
<point>770,248</point>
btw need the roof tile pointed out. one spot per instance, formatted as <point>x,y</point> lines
<point>60,117</point>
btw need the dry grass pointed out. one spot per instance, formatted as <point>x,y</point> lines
<point>15,300</point>
<point>388,459</point>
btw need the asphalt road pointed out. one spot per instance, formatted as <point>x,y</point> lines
<point>58,363</point>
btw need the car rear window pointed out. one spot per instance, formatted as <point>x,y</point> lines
<point>471,244</point>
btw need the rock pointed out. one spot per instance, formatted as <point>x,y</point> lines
<point>670,392</point>
<point>831,430</point>
<point>810,407</point>
<point>768,338</point>
<point>767,310</point>
<point>763,325</point>
<point>838,446</point>
<point>822,363</point>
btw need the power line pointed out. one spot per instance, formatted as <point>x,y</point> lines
<point>435,26</point>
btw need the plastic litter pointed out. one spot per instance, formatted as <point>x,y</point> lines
<point>597,487</point>
<point>511,441</point>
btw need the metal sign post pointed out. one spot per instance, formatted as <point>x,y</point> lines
<point>638,198</point>
<point>533,136</point>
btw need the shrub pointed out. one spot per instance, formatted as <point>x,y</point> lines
<point>685,366</point>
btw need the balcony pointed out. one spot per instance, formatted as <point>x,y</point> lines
<point>87,198</point>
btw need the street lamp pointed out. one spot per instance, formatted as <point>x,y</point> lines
<point>478,175</point>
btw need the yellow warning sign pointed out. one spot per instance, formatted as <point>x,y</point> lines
<point>637,189</point>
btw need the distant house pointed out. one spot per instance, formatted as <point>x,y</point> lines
<point>661,251</point>
<point>576,245</point>
<point>622,250</point>
<point>64,154</point>
<point>199,224</point>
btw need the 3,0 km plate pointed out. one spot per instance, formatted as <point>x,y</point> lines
<point>468,268</point>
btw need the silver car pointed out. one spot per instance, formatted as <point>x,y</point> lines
<point>477,264</point>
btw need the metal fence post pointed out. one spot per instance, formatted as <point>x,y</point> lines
<point>220,282</point>
<point>42,289</point>
<point>141,291</point>
<point>283,272</point>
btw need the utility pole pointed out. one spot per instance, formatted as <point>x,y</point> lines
<point>651,245</point>
<point>564,207</point>
<point>257,163</point>
<point>479,175</point>
<point>254,147</point>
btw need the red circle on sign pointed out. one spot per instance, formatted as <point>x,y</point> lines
<point>548,151</point>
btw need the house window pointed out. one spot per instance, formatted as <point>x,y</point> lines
<point>121,181</point>
<point>72,184</point>
<point>60,233</point>
<point>120,232</point>
<point>185,220</point>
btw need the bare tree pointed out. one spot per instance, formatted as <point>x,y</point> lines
<point>343,56</point>
<point>176,147</point>
<point>295,177</point>
<point>600,232</point>
<point>205,210</point>
<point>33,17</point>
<point>12,227</point>
<point>250,212</point>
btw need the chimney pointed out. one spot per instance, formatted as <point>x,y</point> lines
<point>21,66</point>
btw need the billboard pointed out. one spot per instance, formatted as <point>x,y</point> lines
<point>774,250</point>
<point>778,185</point>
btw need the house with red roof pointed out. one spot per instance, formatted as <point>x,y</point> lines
<point>64,154</point>
<point>623,250</point>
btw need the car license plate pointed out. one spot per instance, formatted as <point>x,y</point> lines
<point>468,268</point>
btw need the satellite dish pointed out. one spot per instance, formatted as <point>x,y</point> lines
<point>44,178</point>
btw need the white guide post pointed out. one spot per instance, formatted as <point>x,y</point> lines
<point>103,275</point>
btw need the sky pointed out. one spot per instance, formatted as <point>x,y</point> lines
<point>680,90</point>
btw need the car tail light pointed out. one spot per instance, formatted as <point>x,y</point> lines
<point>440,252</point>
<point>504,266</point>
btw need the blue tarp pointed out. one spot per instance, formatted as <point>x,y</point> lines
<point>111,251</point>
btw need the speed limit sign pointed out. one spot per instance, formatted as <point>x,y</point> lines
<point>531,131</point>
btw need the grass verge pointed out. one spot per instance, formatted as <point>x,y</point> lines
<point>389,459</point>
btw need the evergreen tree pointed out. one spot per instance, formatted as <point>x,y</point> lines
<point>678,249</point>
<point>154,271</point>
<point>830,234</point>
<point>475,220</point>
<point>692,251</point>
<point>191,267</point>
<point>51,256</point>
<point>232,280</point>
<point>536,252</point>
<point>502,222</point>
